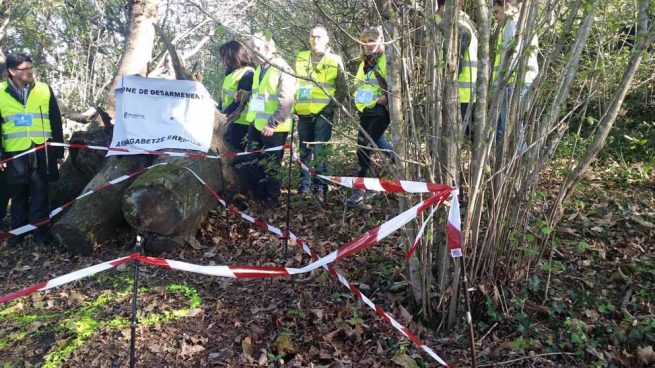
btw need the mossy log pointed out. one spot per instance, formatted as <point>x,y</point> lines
<point>169,200</point>
<point>94,219</point>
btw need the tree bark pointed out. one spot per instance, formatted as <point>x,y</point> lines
<point>138,45</point>
<point>80,166</point>
<point>94,219</point>
<point>169,200</point>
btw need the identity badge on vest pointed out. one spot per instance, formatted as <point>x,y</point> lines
<point>364,96</point>
<point>258,104</point>
<point>305,93</point>
<point>23,120</point>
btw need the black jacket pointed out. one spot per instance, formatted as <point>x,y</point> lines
<point>18,170</point>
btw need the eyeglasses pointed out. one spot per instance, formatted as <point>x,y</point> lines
<point>30,68</point>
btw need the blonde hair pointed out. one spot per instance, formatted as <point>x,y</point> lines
<point>371,33</point>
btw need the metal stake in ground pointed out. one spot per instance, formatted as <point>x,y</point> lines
<point>138,248</point>
<point>286,233</point>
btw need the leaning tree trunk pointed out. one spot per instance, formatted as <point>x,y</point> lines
<point>93,219</point>
<point>138,46</point>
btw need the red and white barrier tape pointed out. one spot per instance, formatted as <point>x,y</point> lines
<point>31,150</point>
<point>360,243</point>
<point>370,237</point>
<point>419,235</point>
<point>244,272</point>
<point>167,153</point>
<point>64,279</point>
<point>379,185</point>
<point>315,258</point>
<point>92,270</point>
<point>29,227</point>
<point>454,228</point>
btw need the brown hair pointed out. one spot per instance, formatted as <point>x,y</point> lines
<point>235,55</point>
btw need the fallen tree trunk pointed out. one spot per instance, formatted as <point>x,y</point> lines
<point>80,166</point>
<point>95,218</point>
<point>169,200</point>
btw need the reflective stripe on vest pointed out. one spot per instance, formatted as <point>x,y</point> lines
<point>369,82</point>
<point>26,134</point>
<point>324,74</point>
<point>230,86</point>
<point>468,74</point>
<point>266,91</point>
<point>19,138</point>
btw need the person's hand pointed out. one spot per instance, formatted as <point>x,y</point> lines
<point>268,131</point>
<point>2,166</point>
<point>383,100</point>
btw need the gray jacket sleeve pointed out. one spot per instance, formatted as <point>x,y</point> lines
<point>286,93</point>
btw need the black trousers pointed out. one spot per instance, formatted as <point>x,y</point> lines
<point>4,197</point>
<point>264,180</point>
<point>374,125</point>
<point>29,203</point>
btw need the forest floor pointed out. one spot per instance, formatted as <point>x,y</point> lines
<point>599,312</point>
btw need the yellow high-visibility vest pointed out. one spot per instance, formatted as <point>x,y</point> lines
<point>230,86</point>
<point>263,101</point>
<point>469,64</point>
<point>499,52</point>
<point>310,98</point>
<point>25,125</point>
<point>367,88</point>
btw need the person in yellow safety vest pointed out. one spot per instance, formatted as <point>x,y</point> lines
<point>371,99</point>
<point>269,110</point>
<point>321,81</point>
<point>29,117</point>
<point>237,86</point>
<point>468,64</point>
<point>510,45</point>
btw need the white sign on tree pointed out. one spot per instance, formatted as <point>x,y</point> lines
<point>155,114</point>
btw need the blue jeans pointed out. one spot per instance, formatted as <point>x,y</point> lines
<point>265,184</point>
<point>504,111</point>
<point>374,126</point>
<point>236,136</point>
<point>384,144</point>
<point>314,128</point>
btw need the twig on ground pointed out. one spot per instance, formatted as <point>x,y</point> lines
<point>523,358</point>
<point>488,332</point>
